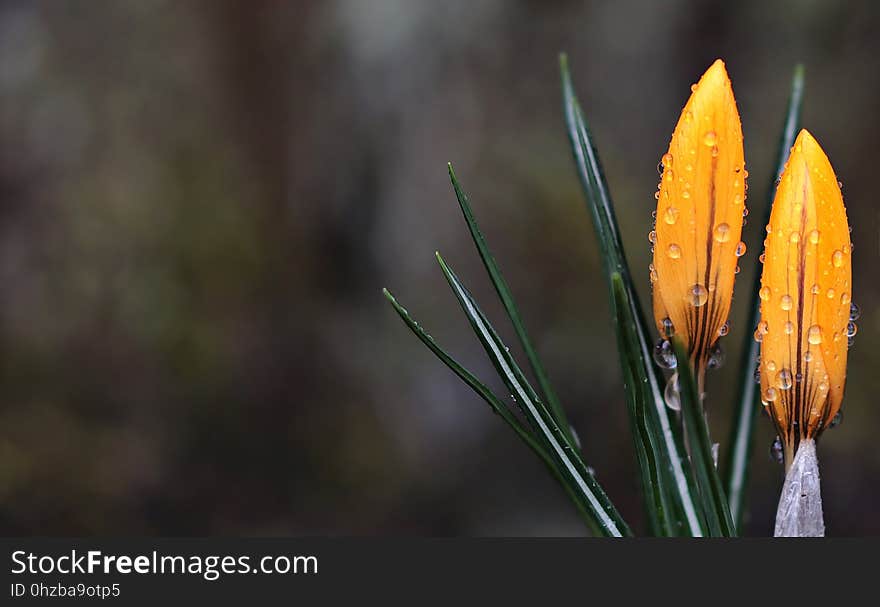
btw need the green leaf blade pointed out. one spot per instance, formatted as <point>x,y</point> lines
<point>715,507</point>
<point>509,304</point>
<point>667,442</point>
<point>606,517</point>
<point>495,403</point>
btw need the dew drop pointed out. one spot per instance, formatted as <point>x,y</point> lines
<point>771,366</point>
<point>784,379</point>
<point>671,393</point>
<point>854,311</point>
<point>674,251</point>
<point>830,294</point>
<point>851,329</point>
<point>709,139</point>
<point>697,295</point>
<point>837,419</point>
<point>685,194</point>
<point>652,273</point>
<point>844,298</point>
<point>808,356</point>
<point>736,270</point>
<point>815,289</point>
<point>716,357</point>
<point>722,232</point>
<point>764,293</point>
<point>785,302</point>
<point>794,238</point>
<point>657,195</point>
<point>671,215</point>
<point>668,327</point>
<point>740,249</point>
<point>652,237</point>
<point>770,394</point>
<point>667,160</point>
<point>725,329</point>
<point>814,237</point>
<point>762,257</point>
<point>788,327</point>
<point>664,355</point>
<point>837,258</point>
<point>776,452</point>
<point>814,335</point>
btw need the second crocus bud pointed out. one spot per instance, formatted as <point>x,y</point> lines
<point>696,237</point>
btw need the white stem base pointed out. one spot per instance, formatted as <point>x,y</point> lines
<point>800,506</point>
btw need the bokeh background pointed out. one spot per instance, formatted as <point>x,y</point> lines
<point>201,201</point>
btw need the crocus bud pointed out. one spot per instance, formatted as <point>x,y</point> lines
<point>806,298</point>
<point>700,210</point>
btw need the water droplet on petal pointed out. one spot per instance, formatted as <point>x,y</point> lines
<point>788,327</point>
<point>674,251</point>
<point>664,355</point>
<point>837,419</point>
<point>716,357</point>
<point>854,311</point>
<point>722,232</point>
<point>697,295</point>
<point>784,379</point>
<point>776,451</point>
<point>652,237</point>
<point>668,327</point>
<point>785,302</point>
<point>814,237</point>
<point>762,257</point>
<point>814,335</point>
<point>851,329</point>
<point>671,215</point>
<point>808,356</point>
<point>837,258</point>
<point>709,138</point>
<point>740,249</point>
<point>815,289</point>
<point>794,238</point>
<point>830,294</point>
<point>725,329</point>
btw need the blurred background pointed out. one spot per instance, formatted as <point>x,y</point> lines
<point>201,201</point>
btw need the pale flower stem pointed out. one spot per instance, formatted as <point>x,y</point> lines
<point>800,506</point>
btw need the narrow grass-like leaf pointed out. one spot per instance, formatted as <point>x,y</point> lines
<point>714,500</point>
<point>667,444</point>
<point>510,306</point>
<point>496,404</point>
<point>606,517</point>
<point>740,447</point>
<point>661,518</point>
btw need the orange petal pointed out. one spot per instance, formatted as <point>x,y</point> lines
<point>700,208</point>
<point>806,290</point>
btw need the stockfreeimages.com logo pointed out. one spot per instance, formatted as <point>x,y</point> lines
<point>209,567</point>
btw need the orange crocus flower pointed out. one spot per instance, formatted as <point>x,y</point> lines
<point>806,298</point>
<point>700,210</point>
